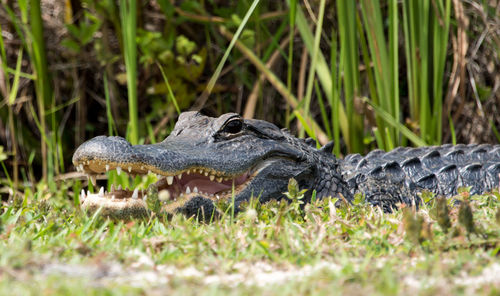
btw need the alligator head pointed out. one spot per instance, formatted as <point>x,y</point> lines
<point>204,160</point>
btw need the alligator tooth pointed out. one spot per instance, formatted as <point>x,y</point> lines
<point>179,176</point>
<point>149,172</point>
<point>219,179</point>
<point>164,195</point>
<point>88,192</point>
<point>118,170</point>
<point>206,173</point>
<point>101,192</point>
<point>120,187</point>
<point>142,168</point>
<point>93,179</point>
<point>135,195</point>
<point>80,166</point>
<point>129,169</point>
<point>107,167</point>
<point>144,197</point>
<point>195,189</point>
<point>188,190</point>
<point>217,196</point>
<point>113,196</point>
<point>212,177</point>
<point>82,194</point>
<point>188,172</point>
<point>112,188</point>
<point>170,179</point>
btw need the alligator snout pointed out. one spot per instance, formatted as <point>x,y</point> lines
<point>103,149</point>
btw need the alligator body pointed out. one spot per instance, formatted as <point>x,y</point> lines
<point>207,159</point>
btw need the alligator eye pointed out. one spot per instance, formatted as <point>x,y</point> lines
<point>233,126</point>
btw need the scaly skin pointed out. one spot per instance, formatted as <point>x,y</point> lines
<point>217,158</point>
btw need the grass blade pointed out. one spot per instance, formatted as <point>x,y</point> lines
<point>215,76</point>
<point>390,120</point>
<point>128,15</point>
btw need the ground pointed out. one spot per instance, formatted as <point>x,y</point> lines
<point>50,247</point>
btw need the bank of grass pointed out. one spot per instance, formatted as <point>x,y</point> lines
<point>49,247</point>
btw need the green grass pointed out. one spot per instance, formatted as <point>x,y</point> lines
<point>49,246</point>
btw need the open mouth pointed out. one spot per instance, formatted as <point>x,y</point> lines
<point>174,188</point>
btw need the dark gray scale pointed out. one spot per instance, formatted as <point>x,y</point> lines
<point>478,154</point>
<point>320,186</point>
<point>375,154</point>
<point>414,169</point>
<point>362,164</point>
<point>493,176</point>
<point>353,182</point>
<point>495,153</point>
<point>394,172</point>
<point>416,152</point>
<point>455,156</point>
<point>396,153</point>
<point>460,146</point>
<point>352,159</point>
<point>472,175</point>
<point>485,146</point>
<point>377,173</point>
<point>432,160</point>
<point>447,149</point>
<point>448,177</point>
<point>429,182</point>
<point>334,187</point>
<point>385,186</point>
<point>492,154</point>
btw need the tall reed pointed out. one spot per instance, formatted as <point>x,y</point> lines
<point>426,29</point>
<point>30,31</point>
<point>128,17</point>
<point>369,30</point>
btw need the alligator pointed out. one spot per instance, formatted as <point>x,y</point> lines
<point>206,160</point>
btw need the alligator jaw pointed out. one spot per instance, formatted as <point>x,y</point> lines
<point>174,189</point>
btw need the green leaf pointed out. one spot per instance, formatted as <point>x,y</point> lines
<point>71,45</point>
<point>3,155</point>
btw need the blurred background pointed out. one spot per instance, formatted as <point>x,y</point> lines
<point>366,74</point>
